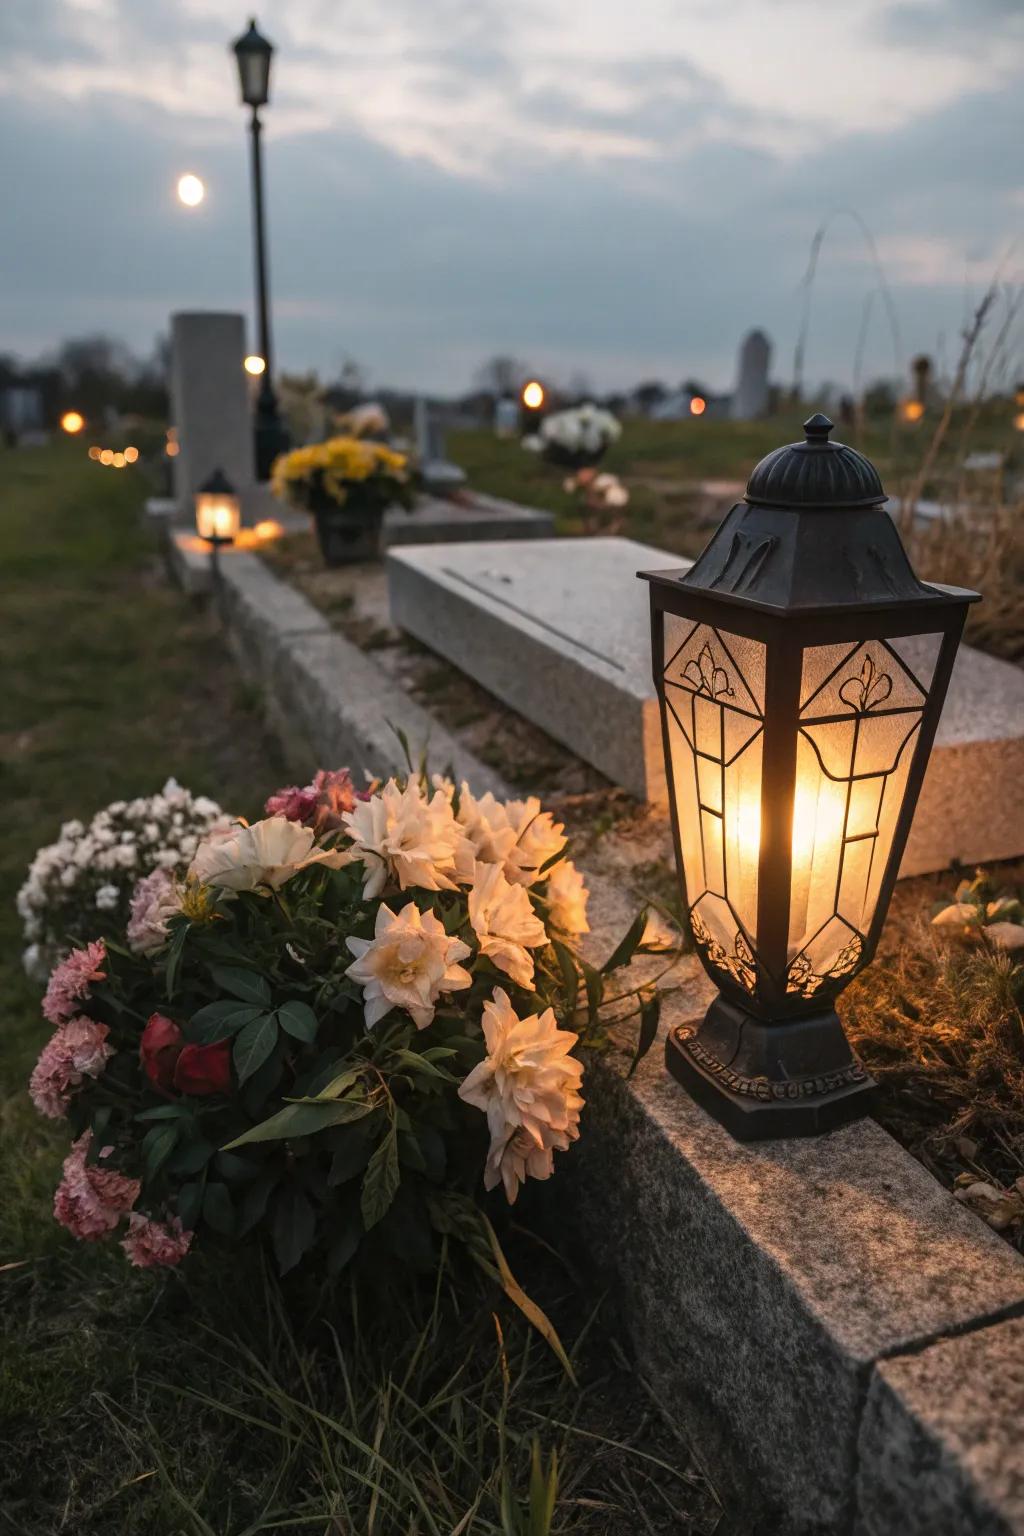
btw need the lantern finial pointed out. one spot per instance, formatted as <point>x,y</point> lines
<point>817,428</point>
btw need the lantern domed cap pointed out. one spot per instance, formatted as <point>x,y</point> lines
<point>815,473</point>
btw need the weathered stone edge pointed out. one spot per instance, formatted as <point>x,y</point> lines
<point>287,645</point>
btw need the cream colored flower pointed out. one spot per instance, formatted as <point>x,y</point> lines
<point>407,964</point>
<point>539,839</point>
<point>528,1087</point>
<point>505,923</point>
<point>486,825</point>
<point>266,854</point>
<point>567,898</point>
<point>402,835</point>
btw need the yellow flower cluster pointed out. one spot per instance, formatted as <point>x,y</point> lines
<point>342,461</point>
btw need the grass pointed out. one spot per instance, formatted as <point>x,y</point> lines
<point>218,1401</point>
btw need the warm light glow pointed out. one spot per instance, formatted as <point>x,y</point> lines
<point>533,395</point>
<point>1018,422</point>
<point>268,528</point>
<point>191,190</point>
<point>94,453</point>
<point>118,460</point>
<point>218,515</point>
<point>912,410</point>
<point>107,456</point>
<point>72,422</point>
<point>698,405</point>
<point>254,364</point>
<point>131,455</point>
<point>171,447</point>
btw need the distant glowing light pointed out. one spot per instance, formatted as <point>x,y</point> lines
<point>131,455</point>
<point>1018,422</point>
<point>171,447</point>
<point>94,453</point>
<point>107,456</point>
<point>698,405</point>
<point>72,421</point>
<point>913,410</point>
<point>191,190</point>
<point>254,364</point>
<point>117,460</point>
<point>533,395</point>
<point>268,528</point>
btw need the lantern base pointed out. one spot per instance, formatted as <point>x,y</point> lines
<point>797,1077</point>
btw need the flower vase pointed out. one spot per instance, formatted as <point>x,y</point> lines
<point>348,534</point>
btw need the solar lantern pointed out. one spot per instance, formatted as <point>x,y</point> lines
<point>801,668</point>
<point>218,518</point>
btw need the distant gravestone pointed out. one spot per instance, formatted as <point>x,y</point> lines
<point>506,417</point>
<point>750,398</point>
<point>210,404</point>
<point>440,477</point>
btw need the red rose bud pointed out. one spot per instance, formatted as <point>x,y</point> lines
<point>159,1050</point>
<point>204,1069</point>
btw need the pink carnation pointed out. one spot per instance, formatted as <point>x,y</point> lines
<point>320,804</point>
<point>90,1201</point>
<point>154,902</point>
<point>151,1243</point>
<point>77,1050</point>
<point>70,983</point>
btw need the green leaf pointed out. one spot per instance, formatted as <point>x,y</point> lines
<point>336,1086</point>
<point>293,1228</point>
<point>346,1243</point>
<point>190,1203</point>
<point>192,1156</point>
<point>300,1120</point>
<point>157,1146</point>
<point>298,1020</point>
<point>594,983</point>
<point>219,1020</point>
<point>627,946</point>
<point>381,1181</point>
<point>570,975</point>
<point>351,1157</point>
<point>237,1170</point>
<point>254,1203</point>
<point>650,1013</point>
<point>254,1045</point>
<point>414,1062</point>
<point>164,1112</point>
<point>218,1211</point>
<point>249,986</point>
<point>175,954</point>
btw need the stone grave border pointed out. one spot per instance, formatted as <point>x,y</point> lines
<point>841,1340</point>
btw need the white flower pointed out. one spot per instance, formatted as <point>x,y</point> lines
<point>155,900</point>
<point>399,834</point>
<point>567,898</point>
<point>505,923</point>
<point>539,839</point>
<point>486,825</point>
<point>528,1087</point>
<point>266,854</point>
<point>407,964</point>
<point>107,898</point>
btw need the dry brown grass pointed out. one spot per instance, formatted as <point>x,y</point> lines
<point>980,547</point>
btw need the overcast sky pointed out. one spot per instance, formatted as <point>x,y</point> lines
<point>618,188</point>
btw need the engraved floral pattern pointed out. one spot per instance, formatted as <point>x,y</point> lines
<point>868,690</point>
<point>740,965</point>
<point>706,678</point>
<point>802,978</point>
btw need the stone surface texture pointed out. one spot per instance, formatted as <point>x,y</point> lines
<point>825,1322</point>
<point>561,633</point>
<point>940,1444</point>
<point>437,520</point>
<point>210,404</point>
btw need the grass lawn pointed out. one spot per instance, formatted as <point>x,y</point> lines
<point>214,1402</point>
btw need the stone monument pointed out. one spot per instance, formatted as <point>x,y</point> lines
<point>750,397</point>
<point>210,406</point>
<point>440,477</point>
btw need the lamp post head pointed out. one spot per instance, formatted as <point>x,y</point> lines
<point>218,510</point>
<point>253,53</point>
<point>801,667</point>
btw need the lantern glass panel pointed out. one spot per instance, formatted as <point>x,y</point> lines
<point>861,709</point>
<point>714,693</point>
<point>218,515</point>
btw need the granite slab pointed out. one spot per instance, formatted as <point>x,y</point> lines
<point>560,633</point>
<point>442,520</point>
<point>940,1446</point>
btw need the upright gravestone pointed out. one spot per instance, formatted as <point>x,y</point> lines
<point>750,398</point>
<point>440,478</point>
<point>210,403</point>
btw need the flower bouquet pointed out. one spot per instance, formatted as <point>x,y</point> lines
<point>577,438</point>
<point>347,483</point>
<point>341,1024</point>
<point>79,887</point>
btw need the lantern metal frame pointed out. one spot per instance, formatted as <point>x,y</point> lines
<point>810,558</point>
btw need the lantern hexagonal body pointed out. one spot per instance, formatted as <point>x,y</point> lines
<point>218,510</point>
<point>801,668</point>
<point>253,54</point>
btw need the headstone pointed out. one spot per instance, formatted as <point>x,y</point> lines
<point>506,417</point>
<point>210,403</point>
<point>440,477</point>
<point>21,409</point>
<point>560,632</point>
<point>750,398</point>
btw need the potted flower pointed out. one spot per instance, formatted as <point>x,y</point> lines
<point>577,438</point>
<point>347,483</point>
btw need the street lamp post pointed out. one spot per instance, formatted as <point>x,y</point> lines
<point>253,54</point>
